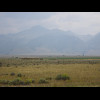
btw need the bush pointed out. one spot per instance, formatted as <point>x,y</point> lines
<point>62,77</point>
<point>0,64</point>
<point>33,81</point>
<point>12,74</point>
<point>17,82</point>
<point>29,81</point>
<point>49,78</point>
<point>19,75</point>
<point>8,65</point>
<point>42,81</point>
<point>4,81</point>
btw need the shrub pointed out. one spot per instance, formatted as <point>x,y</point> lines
<point>17,82</point>
<point>49,78</point>
<point>62,77</point>
<point>0,64</point>
<point>41,81</point>
<point>12,74</point>
<point>4,81</point>
<point>58,77</point>
<point>33,81</point>
<point>19,75</point>
<point>8,65</point>
<point>27,82</point>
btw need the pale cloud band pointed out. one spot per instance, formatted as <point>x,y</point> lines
<point>81,23</point>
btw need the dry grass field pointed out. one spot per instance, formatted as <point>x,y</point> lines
<point>43,73</point>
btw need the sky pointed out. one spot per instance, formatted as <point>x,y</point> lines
<point>81,23</point>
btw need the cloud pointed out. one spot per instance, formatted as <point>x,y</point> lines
<point>78,22</point>
<point>13,22</point>
<point>14,25</point>
<point>82,23</point>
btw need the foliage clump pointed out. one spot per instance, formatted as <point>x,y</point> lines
<point>4,82</point>
<point>49,78</point>
<point>41,81</point>
<point>0,64</point>
<point>19,75</point>
<point>12,74</point>
<point>16,82</point>
<point>62,77</point>
<point>8,65</point>
<point>29,81</point>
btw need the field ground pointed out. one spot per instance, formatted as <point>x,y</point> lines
<point>82,72</point>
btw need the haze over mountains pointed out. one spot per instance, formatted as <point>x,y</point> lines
<point>39,40</point>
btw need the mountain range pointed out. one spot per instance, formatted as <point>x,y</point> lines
<point>39,40</point>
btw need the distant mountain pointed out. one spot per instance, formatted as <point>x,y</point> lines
<point>39,40</point>
<point>94,45</point>
<point>85,38</point>
<point>95,41</point>
<point>57,41</point>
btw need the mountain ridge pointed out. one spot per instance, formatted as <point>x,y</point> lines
<point>41,40</point>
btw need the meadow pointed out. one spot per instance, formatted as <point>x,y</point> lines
<point>50,72</point>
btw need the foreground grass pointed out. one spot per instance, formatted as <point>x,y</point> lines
<point>81,75</point>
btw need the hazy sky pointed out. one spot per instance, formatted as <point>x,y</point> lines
<point>81,23</point>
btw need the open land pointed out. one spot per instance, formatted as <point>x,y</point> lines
<point>60,71</point>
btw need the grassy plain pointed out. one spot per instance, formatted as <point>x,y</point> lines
<point>82,72</point>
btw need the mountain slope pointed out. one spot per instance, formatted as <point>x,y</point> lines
<point>39,40</point>
<point>58,42</point>
<point>94,45</point>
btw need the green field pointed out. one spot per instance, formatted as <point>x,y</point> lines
<point>43,72</point>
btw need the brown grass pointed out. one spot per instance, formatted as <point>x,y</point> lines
<point>81,75</point>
